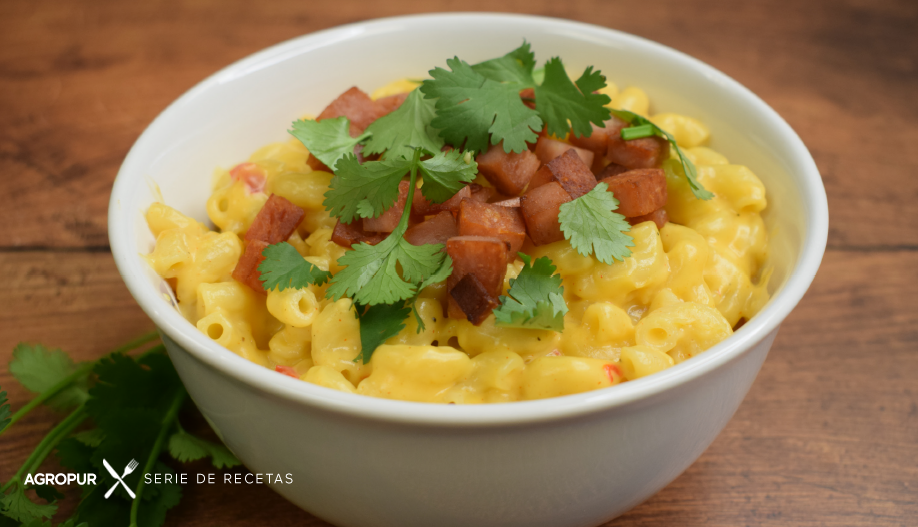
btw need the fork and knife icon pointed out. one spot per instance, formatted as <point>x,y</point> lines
<point>127,470</point>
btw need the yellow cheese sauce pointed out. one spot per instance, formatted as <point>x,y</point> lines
<point>681,291</point>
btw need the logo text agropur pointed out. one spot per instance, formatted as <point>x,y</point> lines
<point>85,478</point>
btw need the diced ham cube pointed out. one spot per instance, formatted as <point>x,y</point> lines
<point>658,216</point>
<point>487,219</point>
<point>646,152</point>
<point>569,171</point>
<point>547,149</point>
<point>388,220</point>
<point>638,192</point>
<point>512,202</point>
<point>540,207</point>
<point>484,257</point>
<point>421,207</point>
<point>276,221</point>
<point>251,175</point>
<point>246,270</point>
<point>387,105</point>
<point>481,194</point>
<point>509,173</point>
<point>598,142</point>
<point>612,169</point>
<point>437,229</point>
<point>347,234</point>
<point>360,110</point>
<point>473,299</point>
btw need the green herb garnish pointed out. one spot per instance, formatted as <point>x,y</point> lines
<point>408,127</point>
<point>592,226</point>
<point>283,267</point>
<point>535,299</point>
<point>475,102</point>
<point>328,140</point>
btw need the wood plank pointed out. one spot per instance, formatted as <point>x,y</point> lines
<point>79,81</point>
<point>827,435</point>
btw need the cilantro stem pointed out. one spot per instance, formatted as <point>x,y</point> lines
<point>170,418</point>
<point>47,444</point>
<point>82,371</point>
<point>412,178</point>
<point>637,132</point>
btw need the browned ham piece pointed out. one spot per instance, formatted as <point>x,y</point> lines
<point>481,194</point>
<point>658,216</point>
<point>421,207</point>
<point>639,192</point>
<point>276,221</point>
<point>473,299</point>
<point>484,257</point>
<point>569,171</point>
<point>437,229</point>
<point>509,173</point>
<point>547,149</point>
<point>598,142</point>
<point>347,234</point>
<point>246,270</point>
<point>646,152</point>
<point>360,110</point>
<point>488,219</point>
<point>540,207</point>
<point>388,220</point>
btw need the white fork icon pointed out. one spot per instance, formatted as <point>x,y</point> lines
<point>127,470</point>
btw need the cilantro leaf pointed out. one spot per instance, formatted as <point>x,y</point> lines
<point>371,277</point>
<point>283,267</point>
<point>91,438</point>
<point>405,129</point>
<point>445,173</point>
<point>18,506</point>
<point>691,173</point>
<point>370,187</point>
<point>329,139</point>
<point>516,67</point>
<point>47,493</point>
<point>471,106</point>
<point>535,298</point>
<point>593,228</point>
<point>378,323</point>
<point>187,447</point>
<point>4,411</point>
<point>38,369</point>
<point>559,100</point>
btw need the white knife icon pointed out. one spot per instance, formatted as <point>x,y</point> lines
<point>127,470</point>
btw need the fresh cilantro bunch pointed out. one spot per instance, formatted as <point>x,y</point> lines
<point>134,405</point>
<point>480,104</point>
<point>535,299</point>
<point>593,227</point>
<point>643,127</point>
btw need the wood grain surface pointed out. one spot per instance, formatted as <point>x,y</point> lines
<point>828,435</point>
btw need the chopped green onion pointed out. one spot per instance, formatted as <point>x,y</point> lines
<point>637,132</point>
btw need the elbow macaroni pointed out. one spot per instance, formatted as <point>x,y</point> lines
<point>682,291</point>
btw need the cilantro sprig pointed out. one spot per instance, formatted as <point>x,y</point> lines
<point>593,227</point>
<point>643,127</point>
<point>408,127</point>
<point>134,405</point>
<point>329,139</point>
<point>371,273</point>
<point>284,267</point>
<point>480,104</point>
<point>535,299</point>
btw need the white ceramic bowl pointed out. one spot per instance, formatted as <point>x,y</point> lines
<point>578,460</point>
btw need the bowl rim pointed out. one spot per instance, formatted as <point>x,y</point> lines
<point>171,323</point>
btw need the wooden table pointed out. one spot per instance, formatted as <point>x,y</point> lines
<point>829,433</point>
